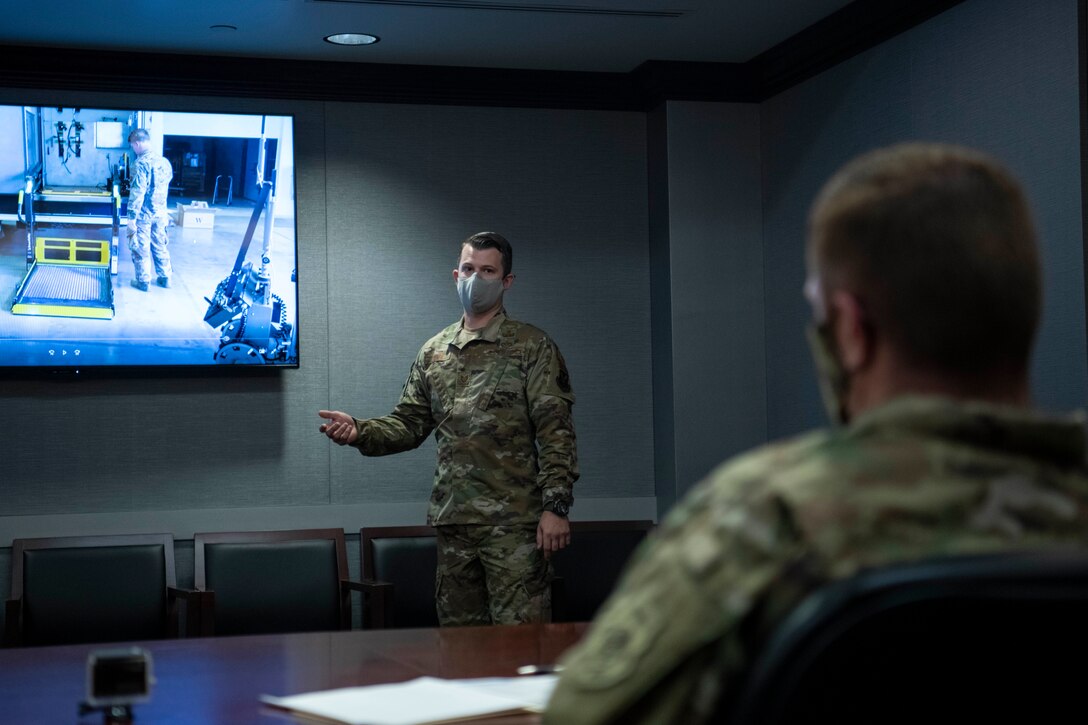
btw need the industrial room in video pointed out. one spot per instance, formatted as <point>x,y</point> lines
<point>218,282</point>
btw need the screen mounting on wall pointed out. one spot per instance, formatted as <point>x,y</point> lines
<point>213,197</point>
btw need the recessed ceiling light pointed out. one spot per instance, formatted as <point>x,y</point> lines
<point>223,27</point>
<point>352,39</point>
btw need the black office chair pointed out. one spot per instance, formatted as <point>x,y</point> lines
<point>963,639</point>
<point>274,581</point>
<point>77,589</point>
<point>398,563</point>
<point>588,569</point>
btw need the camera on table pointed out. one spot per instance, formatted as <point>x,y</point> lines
<point>117,679</point>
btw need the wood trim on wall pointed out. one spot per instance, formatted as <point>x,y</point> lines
<point>855,28</point>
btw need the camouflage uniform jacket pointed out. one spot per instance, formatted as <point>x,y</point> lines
<point>499,402</point>
<point>917,477</point>
<point>151,175</point>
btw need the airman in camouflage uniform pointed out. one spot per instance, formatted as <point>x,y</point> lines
<point>941,456</point>
<point>148,218</point>
<point>498,399</point>
<point>916,477</point>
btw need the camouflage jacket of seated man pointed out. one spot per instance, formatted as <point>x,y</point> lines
<point>499,402</point>
<point>914,478</point>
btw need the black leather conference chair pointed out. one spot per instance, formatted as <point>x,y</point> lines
<point>398,563</point>
<point>588,569</point>
<point>273,581</point>
<point>76,589</point>
<point>991,638</point>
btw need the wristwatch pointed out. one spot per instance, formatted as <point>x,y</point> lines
<point>559,507</point>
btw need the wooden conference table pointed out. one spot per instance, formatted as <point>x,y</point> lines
<point>218,680</point>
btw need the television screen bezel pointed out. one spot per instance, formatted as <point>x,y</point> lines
<point>210,369</point>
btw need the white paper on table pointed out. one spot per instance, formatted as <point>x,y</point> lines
<point>532,691</point>
<point>422,700</point>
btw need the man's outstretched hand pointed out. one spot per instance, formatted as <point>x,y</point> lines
<point>339,427</point>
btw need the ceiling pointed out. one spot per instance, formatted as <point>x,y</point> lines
<point>574,35</point>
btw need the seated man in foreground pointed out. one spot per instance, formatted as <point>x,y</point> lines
<point>923,277</point>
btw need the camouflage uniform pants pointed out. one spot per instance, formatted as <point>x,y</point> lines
<point>491,575</point>
<point>151,239</point>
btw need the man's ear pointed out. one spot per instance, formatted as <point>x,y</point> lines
<point>507,281</point>
<point>852,332</point>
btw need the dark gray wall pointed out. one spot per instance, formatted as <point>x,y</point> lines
<point>708,336</point>
<point>1000,75</point>
<point>405,185</point>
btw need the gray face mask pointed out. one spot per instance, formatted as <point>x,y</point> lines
<point>478,294</point>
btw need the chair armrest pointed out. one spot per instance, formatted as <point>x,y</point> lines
<point>13,629</point>
<point>377,600</point>
<point>199,610</point>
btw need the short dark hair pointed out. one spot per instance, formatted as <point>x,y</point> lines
<point>139,134</point>
<point>493,240</point>
<point>937,243</point>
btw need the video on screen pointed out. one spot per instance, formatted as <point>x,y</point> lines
<point>145,237</point>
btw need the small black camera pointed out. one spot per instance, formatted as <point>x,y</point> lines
<point>118,677</point>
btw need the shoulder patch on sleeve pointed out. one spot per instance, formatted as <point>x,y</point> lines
<point>562,379</point>
<point>618,643</point>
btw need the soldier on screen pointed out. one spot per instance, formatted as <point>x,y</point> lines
<point>148,218</point>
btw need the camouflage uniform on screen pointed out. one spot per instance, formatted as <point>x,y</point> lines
<point>150,182</point>
<point>499,402</point>
<point>914,478</point>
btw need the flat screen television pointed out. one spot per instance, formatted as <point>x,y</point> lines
<point>220,204</point>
